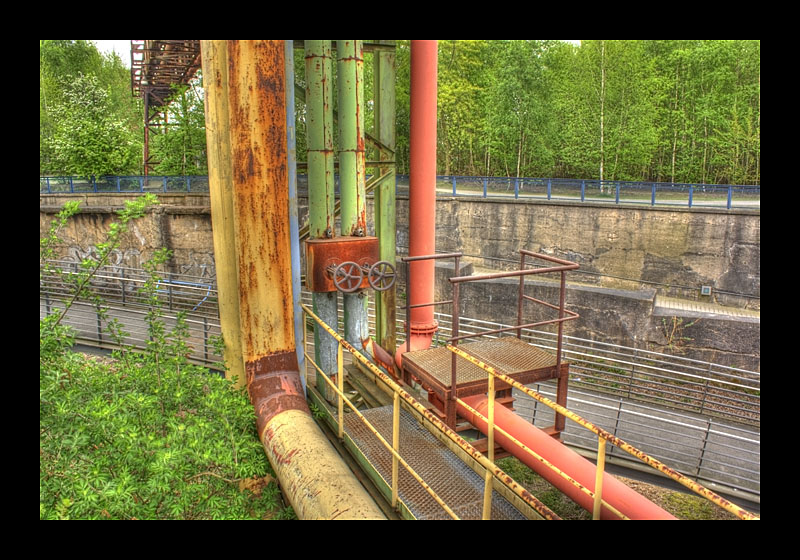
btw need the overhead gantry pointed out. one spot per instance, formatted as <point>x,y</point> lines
<point>157,65</point>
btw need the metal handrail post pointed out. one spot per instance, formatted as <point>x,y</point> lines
<point>395,447</point>
<point>487,489</point>
<point>598,481</point>
<point>520,294</point>
<point>340,384</point>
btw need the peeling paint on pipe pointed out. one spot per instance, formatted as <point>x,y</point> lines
<point>422,194</point>
<point>314,478</point>
<point>320,156</point>
<point>312,475</point>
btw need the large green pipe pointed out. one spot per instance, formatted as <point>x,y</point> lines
<point>352,172</point>
<point>385,222</point>
<point>319,115</point>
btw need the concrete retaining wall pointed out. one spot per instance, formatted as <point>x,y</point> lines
<point>626,254</point>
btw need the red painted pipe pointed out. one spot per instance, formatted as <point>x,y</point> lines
<point>422,191</point>
<point>621,497</point>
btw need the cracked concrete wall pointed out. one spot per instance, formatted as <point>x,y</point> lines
<point>627,255</point>
<point>676,250</point>
<point>620,249</point>
<point>181,223</point>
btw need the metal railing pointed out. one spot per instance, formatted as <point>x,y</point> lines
<point>492,470</point>
<point>119,291</point>
<point>647,193</point>
<point>642,375</point>
<point>603,437</point>
<point>556,266</point>
<point>629,382</point>
<point>124,184</point>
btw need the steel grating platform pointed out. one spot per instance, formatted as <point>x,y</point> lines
<point>508,355</point>
<point>453,481</point>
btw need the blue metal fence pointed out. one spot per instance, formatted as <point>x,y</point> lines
<point>124,184</point>
<point>525,188</point>
<point>595,191</point>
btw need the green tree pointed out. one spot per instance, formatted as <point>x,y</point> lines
<point>66,69</point>
<point>519,124</point>
<point>460,115</point>
<point>605,101</point>
<point>180,145</point>
<point>710,110</point>
<point>87,140</point>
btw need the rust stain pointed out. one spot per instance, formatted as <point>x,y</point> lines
<point>274,386</point>
<point>339,512</point>
<point>281,459</point>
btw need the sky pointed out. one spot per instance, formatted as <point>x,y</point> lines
<point>121,47</point>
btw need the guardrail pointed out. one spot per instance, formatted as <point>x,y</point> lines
<point>603,437</point>
<point>647,193</point>
<point>492,470</point>
<point>124,184</point>
<point>634,381</point>
<point>594,191</point>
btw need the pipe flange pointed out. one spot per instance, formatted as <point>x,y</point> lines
<point>348,277</point>
<point>381,276</point>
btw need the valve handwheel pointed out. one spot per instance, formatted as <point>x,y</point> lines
<point>381,276</point>
<point>348,277</point>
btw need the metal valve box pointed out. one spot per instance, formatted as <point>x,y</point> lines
<point>323,255</point>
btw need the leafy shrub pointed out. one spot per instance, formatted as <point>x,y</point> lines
<point>146,435</point>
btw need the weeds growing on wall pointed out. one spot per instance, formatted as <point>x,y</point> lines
<point>145,435</point>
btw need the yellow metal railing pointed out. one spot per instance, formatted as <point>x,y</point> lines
<point>603,438</point>
<point>492,470</point>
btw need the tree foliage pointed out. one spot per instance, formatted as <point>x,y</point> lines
<point>660,110</point>
<point>89,123</point>
<point>179,145</point>
<point>86,139</point>
<point>684,111</point>
<point>148,435</point>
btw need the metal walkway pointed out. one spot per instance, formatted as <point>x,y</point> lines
<point>457,484</point>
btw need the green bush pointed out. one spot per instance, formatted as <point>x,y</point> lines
<point>145,435</point>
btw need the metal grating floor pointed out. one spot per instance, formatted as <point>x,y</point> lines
<point>455,483</point>
<point>508,355</point>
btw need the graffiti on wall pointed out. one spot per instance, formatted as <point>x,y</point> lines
<point>117,259</point>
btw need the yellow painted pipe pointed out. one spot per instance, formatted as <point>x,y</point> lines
<point>313,476</point>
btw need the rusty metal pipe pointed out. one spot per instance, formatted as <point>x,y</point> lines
<point>621,497</point>
<point>314,478</point>
<point>352,172</point>
<point>422,194</point>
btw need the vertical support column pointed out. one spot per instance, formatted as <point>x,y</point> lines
<point>385,203</point>
<point>319,114</point>
<point>352,161</point>
<point>563,378</point>
<point>215,70</point>
<point>294,225</point>
<point>421,198</point>
<point>260,199</point>
<point>146,149</point>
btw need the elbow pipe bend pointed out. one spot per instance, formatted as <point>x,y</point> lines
<point>314,478</point>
